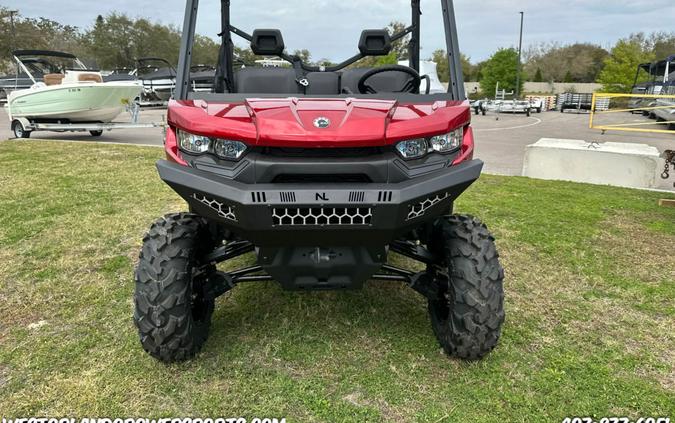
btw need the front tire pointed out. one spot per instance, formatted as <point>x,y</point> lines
<point>96,133</point>
<point>467,320</point>
<point>173,308</point>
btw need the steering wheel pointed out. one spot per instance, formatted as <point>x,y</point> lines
<point>411,86</point>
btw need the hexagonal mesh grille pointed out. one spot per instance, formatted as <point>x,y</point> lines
<point>317,216</point>
<point>419,209</point>
<point>223,210</point>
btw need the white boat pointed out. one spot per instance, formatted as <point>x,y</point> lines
<point>68,92</point>
<point>665,106</point>
<point>158,77</point>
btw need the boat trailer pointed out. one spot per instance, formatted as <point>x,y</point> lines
<point>23,127</point>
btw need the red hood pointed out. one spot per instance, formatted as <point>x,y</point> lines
<point>290,122</point>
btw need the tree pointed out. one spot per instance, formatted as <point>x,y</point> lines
<point>304,55</point>
<point>38,33</point>
<point>440,57</point>
<point>501,69</point>
<point>663,44</point>
<point>538,77</point>
<point>205,50</point>
<point>582,61</point>
<point>619,71</point>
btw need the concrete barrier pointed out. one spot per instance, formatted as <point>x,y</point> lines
<point>617,164</point>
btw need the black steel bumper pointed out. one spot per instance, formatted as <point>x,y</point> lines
<point>321,215</point>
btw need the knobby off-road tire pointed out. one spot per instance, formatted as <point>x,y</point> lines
<point>173,308</point>
<point>468,320</point>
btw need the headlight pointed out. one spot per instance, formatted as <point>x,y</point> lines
<point>228,149</point>
<point>199,144</point>
<point>412,149</point>
<point>448,142</point>
<point>191,143</point>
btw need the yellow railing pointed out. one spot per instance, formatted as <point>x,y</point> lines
<point>630,126</point>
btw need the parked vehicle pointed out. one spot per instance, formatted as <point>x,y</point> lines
<point>575,101</point>
<point>536,104</point>
<point>321,176</point>
<point>202,78</point>
<point>657,78</point>
<point>120,74</point>
<point>158,77</point>
<point>664,70</point>
<point>643,74</point>
<point>9,83</point>
<point>68,94</point>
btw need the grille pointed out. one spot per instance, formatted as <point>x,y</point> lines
<point>318,216</point>
<point>419,209</point>
<point>322,178</point>
<point>322,152</point>
<point>223,210</point>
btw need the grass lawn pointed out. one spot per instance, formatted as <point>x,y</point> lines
<point>590,330</point>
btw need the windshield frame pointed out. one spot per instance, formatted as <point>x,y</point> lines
<point>225,66</point>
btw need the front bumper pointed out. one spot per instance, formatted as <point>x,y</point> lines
<point>321,215</point>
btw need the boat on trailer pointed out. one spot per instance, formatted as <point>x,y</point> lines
<point>665,106</point>
<point>69,97</point>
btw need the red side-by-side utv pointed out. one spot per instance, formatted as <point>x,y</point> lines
<point>321,172</point>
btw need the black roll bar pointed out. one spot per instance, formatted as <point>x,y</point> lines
<point>225,69</point>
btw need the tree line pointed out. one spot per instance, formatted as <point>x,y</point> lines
<point>615,68</point>
<point>116,41</point>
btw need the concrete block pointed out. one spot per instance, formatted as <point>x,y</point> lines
<point>618,164</point>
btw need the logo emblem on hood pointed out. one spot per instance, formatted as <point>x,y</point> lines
<point>322,122</point>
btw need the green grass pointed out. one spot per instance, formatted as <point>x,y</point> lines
<point>590,305</point>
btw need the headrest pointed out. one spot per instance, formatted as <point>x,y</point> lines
<point>375,42</point>
<point>267,42</point>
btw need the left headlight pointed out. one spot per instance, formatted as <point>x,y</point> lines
<point>229,149</point>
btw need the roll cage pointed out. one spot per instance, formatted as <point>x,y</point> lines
<point>225,67</point>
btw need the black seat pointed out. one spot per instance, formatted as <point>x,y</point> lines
<point>386,82</point>
<point>266,81</point>
<point>327,83</point>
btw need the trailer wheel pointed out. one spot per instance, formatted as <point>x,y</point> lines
<point>96,133</point>
<point>19,130</point>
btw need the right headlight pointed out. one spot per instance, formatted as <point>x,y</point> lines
<point>199,144</point>
<point>447,142</point>
<point>191,143</point>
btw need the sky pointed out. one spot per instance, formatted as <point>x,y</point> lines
<point>331,28</point>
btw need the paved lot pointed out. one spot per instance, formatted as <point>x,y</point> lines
<point>500,143</point>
